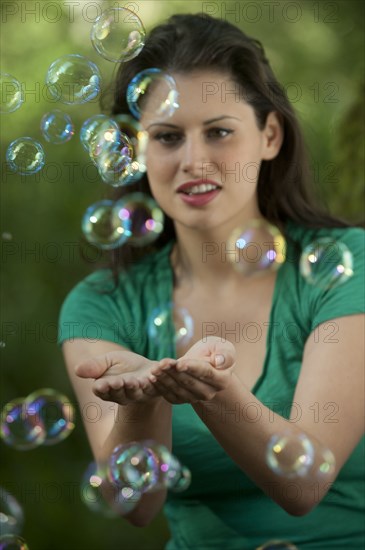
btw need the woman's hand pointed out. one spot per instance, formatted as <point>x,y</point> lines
<point>197,376</point>
<point>119,376</point>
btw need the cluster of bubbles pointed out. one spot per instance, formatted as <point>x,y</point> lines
<point>118,36</point>
<point>45,417</point>
<point>293,455</point>
<point>133,469</point>
<point>326,263</point>
<point>136,217</point>
<point>257,247</point>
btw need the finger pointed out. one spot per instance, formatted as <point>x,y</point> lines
<point>199,368</point>
<point>197,389</point>
<point>169,394</point>
<point>224,360</point>
<point>163,364</point>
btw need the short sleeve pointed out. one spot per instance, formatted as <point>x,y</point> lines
<point>347,297</point>
<point>99,309</point>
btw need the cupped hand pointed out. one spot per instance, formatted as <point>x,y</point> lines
<point>197,376</point>
<point>119,376</point>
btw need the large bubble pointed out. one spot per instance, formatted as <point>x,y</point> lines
<point>256,247</point>
<point>158,324</point>
<point>145,217</point>
<point>153,93</point>
<point>102,226</point>
<point>138,138</point>
<point>54,411</point>
<point>57,127</point>
<point>73,79</point>
<point>25,156</point>
<point>326,263</point>
<point>118,35</point>
<point>11,94</point>
<point>90,128</point>
<point>11,514</point>
<point>290,455</point>
<point>21,428</point>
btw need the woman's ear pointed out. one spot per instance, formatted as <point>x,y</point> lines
<point>273,136</point>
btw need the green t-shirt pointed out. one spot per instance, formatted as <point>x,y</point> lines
<point>223,508</point>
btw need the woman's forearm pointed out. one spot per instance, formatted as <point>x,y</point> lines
<point>137,422</point>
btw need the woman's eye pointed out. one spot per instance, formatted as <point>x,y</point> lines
<point>167,138</point>
<point>219,132</point>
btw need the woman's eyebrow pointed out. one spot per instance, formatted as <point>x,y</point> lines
<point>210,121</point>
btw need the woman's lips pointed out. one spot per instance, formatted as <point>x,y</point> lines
<point>199,199</point>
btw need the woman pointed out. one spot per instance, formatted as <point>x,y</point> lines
<point>234,392</point>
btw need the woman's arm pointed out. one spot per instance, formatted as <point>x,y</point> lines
<point>117,424</point>
<point>330,373</point>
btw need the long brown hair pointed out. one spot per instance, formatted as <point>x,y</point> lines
<point>189,42</point>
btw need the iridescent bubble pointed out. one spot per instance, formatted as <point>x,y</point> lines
<point>90,491</point>
<point>12,542</point>
<point>326,263</point>
<point>21,428</point>
<point>57,127</point>
<point>25,156</point>
<point>256,247</point>
<point>118,35</point>
<point>11,514</point>
<point>152,92</point>
<point>134,465</point>
<point>116,167</point>
<point>2,345</point>
<point>168,467</point>
<point>90,128</point>
<point>180,482</point>
<point>290,455</point>
<point>106,136</point>
<point>102,226</point>
<point>138,138</point>
<point>144,215</point>
<point>6,236</point>
<point>277,545</point>
<point>11,94</point>
<point>168,317</point>
<point>73,79</point>
<point>54,411</point>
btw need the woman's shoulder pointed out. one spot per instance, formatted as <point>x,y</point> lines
<point>304,235</point>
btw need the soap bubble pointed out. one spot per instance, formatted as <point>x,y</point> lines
<point>152,92</point>
<point>118,35</point>
<point>6,236</point>
<point>144,215</point>
<point>138,138</point>
<point>258,246</point>
<point>134,465</point>
<point>102,226</point>
<point>11,94</point>
<point>106,136</point>
<point>116,167</point>
<point>89,129</point>
<point>12,542</point>
<point>11,514</point>
<point>277,545</point>
<point>54,411</point>
<point>325,462</point>
<point>25,156</point>
<point>181,482</point>
<point>326,263</point>
<point>290,455</point>
<point>162,318</point>
<point>57,127</point>
<point>21,428</point>
<point>73,79</point>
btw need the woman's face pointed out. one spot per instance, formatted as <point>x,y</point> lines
<point>203,161</point>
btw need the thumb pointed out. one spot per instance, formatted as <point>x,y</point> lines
<point>224,360</point>
<point>93,367</point>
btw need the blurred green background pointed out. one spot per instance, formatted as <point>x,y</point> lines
<point>316,50</point>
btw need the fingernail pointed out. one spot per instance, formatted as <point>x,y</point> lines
<point>152,378</point>
<point>219,360</point>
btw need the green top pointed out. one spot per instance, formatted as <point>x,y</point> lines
<point>222,507</point>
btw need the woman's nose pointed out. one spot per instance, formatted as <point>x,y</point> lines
<point>195,157</point>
